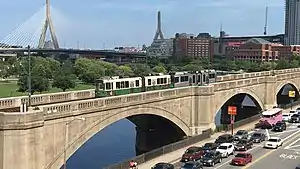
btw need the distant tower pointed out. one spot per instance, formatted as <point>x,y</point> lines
<point>158,33</point>
<point>221,41</point>
<point>266,21</point>
<point>48,24</point>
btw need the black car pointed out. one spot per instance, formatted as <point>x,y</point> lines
<point>209,147</point>
<point>241,134</point>
<point>225,138</point>
<point>163,166</point>
<point>295,118</point>
<point>243,145</point>
<point>192,165</point>
<point>279,126</point>
<point>211,158</point>
<point>258,137</point>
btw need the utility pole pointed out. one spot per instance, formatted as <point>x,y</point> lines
<point>29,78</point>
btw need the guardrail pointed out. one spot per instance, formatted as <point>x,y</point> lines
<point>163,150</point>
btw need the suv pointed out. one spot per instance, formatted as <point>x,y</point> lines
<point>258,137</point>
<point>295,118</point>
<point>243,145</point>
<point>279,126</point>
<point>192,154</point>
<point>225,138</point>
<point>211,158</point>
<point>209,146</point>
<point>226,149</point>
<point>241,134</point>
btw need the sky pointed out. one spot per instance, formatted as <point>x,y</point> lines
<point>98,24</point>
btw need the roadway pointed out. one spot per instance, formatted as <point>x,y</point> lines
<point>285,157</point>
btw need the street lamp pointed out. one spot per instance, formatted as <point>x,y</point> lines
<point>29,78</point>
<point>66,138</point>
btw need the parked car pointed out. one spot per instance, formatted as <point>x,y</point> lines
<point>240,135</point>
<point>211,158</point>
<point>295,118</point>
<point>226,149</point>
<point>242,159</point>
<point>163,166</point>
<point>286,116</point>
<point>192,154</point>
<point>192,165</point>
<point>243,145</point>
<point>279,126</point>
<point>209,147</point>
<point>258,137</point>
<point>225,138</point>
<point>273,142</point>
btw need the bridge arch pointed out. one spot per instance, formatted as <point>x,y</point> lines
<point>282,84</point>
<point>282,93</point>
<point>93,128</point>
<point>224,99</point>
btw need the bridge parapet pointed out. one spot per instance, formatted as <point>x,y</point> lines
<point>12,102</point>
<point>255,74</point>
<point>79,107</point>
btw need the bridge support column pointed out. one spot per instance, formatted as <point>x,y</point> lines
<point>21,141</point>
<point>202,117</point>
<point>270,92</point>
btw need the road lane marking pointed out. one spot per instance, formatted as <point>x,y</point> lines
<point>292,144</point>
<point>269,152</point>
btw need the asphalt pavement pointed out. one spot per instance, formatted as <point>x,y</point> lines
<point>285,157</point>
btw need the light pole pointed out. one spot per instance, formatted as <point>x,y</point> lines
<point>66,138</point>
<point>29,78</point>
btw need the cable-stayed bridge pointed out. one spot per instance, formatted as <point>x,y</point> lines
<point>34,31</point>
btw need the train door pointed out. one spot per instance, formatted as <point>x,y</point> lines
<point>190,80</point>
<point>194,79</point>
<point>143,84</point>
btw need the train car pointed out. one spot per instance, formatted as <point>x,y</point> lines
<point>113,86</point>
<point>156,82</point>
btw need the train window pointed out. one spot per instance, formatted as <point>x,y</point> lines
<point>122,85</point>
<point>118,85</point>
<point>137,83</point>
<point>165,81</point>
<point>199,78</point>
<point>149,82</point>
<point>204,78</point>
<point>158,81</point>
<point>108,86</point>
<point>211,76</point>
<point>176,79</point>
<point>184,78</point>
<point>132,84</point>
<point>126,84</point>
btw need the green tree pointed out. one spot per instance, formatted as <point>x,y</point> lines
<point>266,66</point>
<point>282,64</point>
<point>110,68</point>
<point>64,78</point>
<point>192,67</point>
<point>141,69</point>
<point>125,70</point>
<point>159,69</point>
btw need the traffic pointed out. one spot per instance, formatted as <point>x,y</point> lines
<point>275,138</point>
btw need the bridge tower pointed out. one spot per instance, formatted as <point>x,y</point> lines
<point>48,25</point>
<point>158,33</point>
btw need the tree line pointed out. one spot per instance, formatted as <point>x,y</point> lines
<point>48,72</point>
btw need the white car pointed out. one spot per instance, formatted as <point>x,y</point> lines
<point>226,149</point>
<point>292,112</point>
<point>273,142</point>
<point>286,116</point>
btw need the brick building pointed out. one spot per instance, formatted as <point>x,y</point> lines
<point>258,50</point>
<point>188,45</point>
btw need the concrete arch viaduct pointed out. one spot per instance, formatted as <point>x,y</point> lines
<point>35,139</point>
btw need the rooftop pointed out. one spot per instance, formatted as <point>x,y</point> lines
<point>257,41</point>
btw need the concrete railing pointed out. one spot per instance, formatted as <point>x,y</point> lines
<point>12,102</point>
<point>121,101</point>
<point>255,74</point>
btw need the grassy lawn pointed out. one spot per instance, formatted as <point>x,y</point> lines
<point>9,89</point>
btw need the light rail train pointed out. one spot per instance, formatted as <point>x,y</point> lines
<point>114,86</point>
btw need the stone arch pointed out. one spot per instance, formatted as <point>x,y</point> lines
<point>282,84</point>
<point>233,93</point>
<point>94,128</point>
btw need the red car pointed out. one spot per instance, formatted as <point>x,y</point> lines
<point>242,159</point>
<point>192,154</point>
